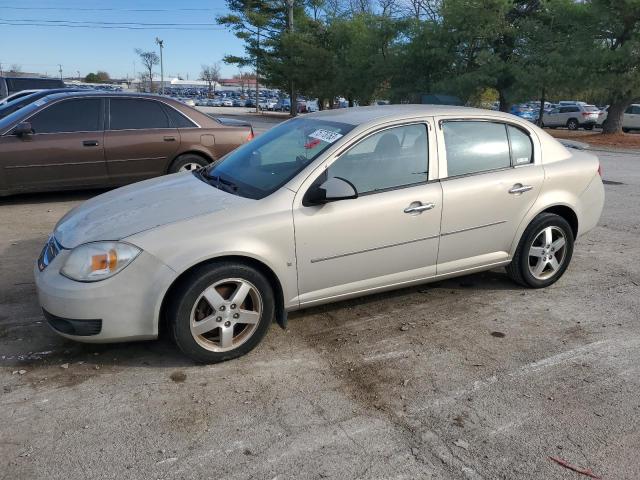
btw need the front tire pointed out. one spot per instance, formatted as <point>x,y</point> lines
<point>544,252</point>
<point>220,311</point>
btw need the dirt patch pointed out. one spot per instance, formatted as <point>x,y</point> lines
<point>618,140</point>
<point>178,376</point>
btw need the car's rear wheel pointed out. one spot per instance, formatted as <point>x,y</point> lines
<point>626,130</point>
<point>220,311</point>
<point>588,127</point>
<point>572,124</point>
<point>187,162</point>
<point>544,252</point>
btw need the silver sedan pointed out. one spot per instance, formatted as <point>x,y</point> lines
<point>334,205</point>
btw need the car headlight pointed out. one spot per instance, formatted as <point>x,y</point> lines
<point>97,261</point>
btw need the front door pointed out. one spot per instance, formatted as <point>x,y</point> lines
<point>493,178</point>
<point>140,141</point>
<point>64,150</point>
<point>388,235</point>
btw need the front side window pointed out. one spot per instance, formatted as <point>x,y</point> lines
<point>262,166</point>
<point>392,158</point>
<point>475,146</point>
<point>67,116</point>
<point>136,114</point>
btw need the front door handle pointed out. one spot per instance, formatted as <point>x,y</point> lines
<point>169,139</point>
<point>419,207</point>
<point>519,188</point>
<point>90,143</point>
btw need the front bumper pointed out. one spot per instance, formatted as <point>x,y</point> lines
<point>126,305</point>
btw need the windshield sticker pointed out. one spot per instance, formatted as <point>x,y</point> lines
<point>522,160</point>
<point>312,144</point>
<point>325,135</point>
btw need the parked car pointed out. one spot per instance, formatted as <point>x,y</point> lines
<point>524,112</point>
<point>11,85</point>
<point>96,139</point>
<point>227,102</point>
<point>282,105</point>
<point>189,102</point>
<point>20,101</point>
<point>15,96</point>
<point>630,117</point>
<point>320,208</point>
<point>572,117</point>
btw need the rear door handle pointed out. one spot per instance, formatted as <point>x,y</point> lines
<point>169,139</point>
<point>519,188</point>
<point>419,207</point>
<point>90,143</point>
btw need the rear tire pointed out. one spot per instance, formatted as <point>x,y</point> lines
<point>187,162</point>
<point>572,124</point>
<point>588,127</point>
<point>220,311</point>
<point>544,252</point>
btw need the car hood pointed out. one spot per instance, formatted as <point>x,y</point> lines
<point>141,206</point>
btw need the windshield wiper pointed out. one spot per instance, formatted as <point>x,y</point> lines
<point>216,181</point>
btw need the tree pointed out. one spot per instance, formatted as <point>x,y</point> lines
<point>211,75</point>
<point>98,77</point>
<point>15,68</point>
<point>149,60</point>
<point>613,55</point>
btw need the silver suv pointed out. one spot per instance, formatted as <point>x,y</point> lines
<point>572,117</point>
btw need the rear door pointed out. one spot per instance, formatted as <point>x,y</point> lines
<point>65,149</point>
<point>491,178</point>
<point>140,140</point>
<point>631,117</point>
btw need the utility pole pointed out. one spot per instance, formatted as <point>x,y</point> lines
<point>0,69</point>
<point>78,72</point>
<point>257,72</point>
<point>60,70</point>
<point>292,94</point>
<point>161,43</point>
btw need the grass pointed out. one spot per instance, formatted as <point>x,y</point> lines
<point>616,140</point>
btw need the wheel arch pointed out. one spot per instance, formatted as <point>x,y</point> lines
<point>562,209</point>
<point>280,313</point>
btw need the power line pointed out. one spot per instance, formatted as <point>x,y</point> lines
<point>106,23</point>
<point>119,27</point>
<point>109,9</point>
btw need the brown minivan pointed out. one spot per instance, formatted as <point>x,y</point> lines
<point>97,139</point>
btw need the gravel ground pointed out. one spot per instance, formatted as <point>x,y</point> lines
<point>472,378</point>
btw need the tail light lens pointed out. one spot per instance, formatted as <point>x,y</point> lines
<point>250,136</point>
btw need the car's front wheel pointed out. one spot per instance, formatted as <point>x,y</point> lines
<point>220,311</point>
<point>573,124</point>
<point>544,252</point>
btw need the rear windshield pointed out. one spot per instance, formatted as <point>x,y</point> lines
<point>591,108</point>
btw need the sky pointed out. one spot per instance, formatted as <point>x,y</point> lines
<point>41,46</point>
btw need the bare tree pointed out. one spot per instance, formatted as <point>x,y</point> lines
<point>149,60</point>
<point>211,75</point>
<point>388,8</point>
<point>423,8</point>
<point>15,68</point>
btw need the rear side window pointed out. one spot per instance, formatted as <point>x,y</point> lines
<point>475,146</point>
<point>591,108</point>
<point>521,146</point>
<point>78,115</point>
<point>177,119</point>
<point>136,114</point>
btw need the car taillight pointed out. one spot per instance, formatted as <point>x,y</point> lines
<point>586,114</point>
<point>250,137</point>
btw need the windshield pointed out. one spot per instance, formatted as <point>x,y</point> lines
<point>263,165</point>
<point>18,103</point>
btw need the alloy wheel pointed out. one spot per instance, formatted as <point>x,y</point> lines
<point>547,253</point>
<point>226,314</point>
<point>189,167</point>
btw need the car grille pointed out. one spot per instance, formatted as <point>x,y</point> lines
<point>49,252</point>
<point>71,326</point>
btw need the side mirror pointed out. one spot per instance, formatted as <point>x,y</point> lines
<point>330,190</point>
<point>23,129</point>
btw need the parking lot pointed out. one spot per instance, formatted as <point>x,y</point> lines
<point>470,378</point>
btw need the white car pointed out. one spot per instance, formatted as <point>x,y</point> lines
<point>630,118</point>
<point>227,103</point>
<point>321,208</point>
<point>189,101</point>
<point>572,116</point>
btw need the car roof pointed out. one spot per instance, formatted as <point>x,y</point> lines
<point>102,93</point>
<point>362,115</point>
